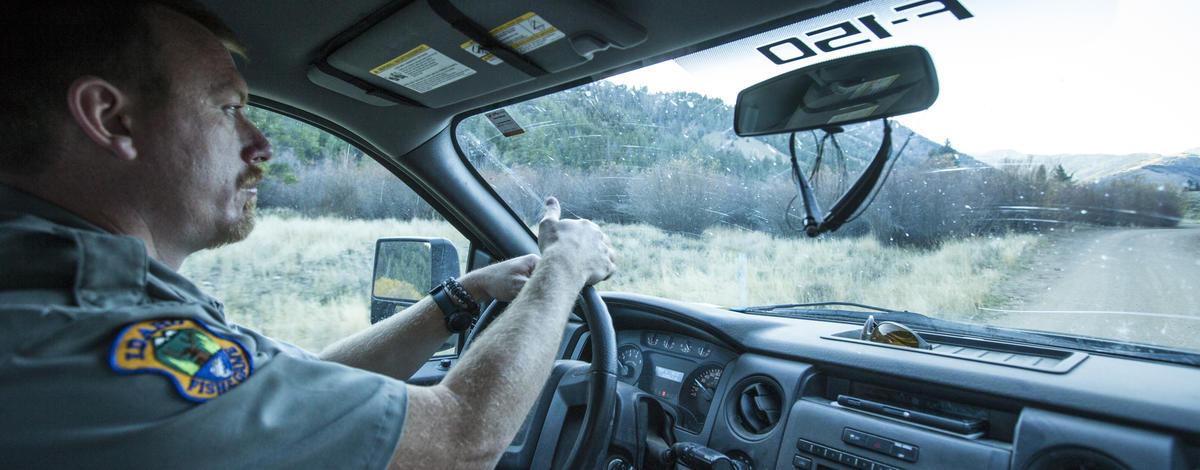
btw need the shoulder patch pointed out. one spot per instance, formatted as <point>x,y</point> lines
<point>202,364</point>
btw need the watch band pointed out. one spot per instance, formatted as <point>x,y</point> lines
<point>460,295</point>
<point>457,318</point>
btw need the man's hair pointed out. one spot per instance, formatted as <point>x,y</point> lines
<point>48,44</point>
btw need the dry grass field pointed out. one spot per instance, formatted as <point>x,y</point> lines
<point>737,268</point>
<point>304,280</point>
<point>307,280</point>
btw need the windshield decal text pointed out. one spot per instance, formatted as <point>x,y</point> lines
<point>794,48</point>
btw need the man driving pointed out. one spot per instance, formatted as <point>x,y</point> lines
<point>126,150</point>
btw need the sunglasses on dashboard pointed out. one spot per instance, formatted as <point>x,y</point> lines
<point>893,333</point>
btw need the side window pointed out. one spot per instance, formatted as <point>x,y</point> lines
<point>304,273</point>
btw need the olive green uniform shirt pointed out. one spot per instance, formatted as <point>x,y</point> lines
<point>110,359</point>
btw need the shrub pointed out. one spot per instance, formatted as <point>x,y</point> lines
<point>921,204</point>
<point>343,186</point>
<point>675,196</point>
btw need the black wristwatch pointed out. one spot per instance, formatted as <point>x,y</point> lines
<point>459,310</point>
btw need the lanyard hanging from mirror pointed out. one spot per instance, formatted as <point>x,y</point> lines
<point>855,201</point>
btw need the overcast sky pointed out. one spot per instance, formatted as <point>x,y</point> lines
<point>1036,76</point>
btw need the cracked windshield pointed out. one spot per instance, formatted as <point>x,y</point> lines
<point>1054,185</point>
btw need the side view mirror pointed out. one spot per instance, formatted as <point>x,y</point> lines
<point>848,90</point>
<point>406,269</point>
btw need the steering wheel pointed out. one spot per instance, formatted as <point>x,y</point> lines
<point>595,431</point>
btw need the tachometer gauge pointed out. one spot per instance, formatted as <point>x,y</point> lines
<point>699,389</point>
<point>630,358</point>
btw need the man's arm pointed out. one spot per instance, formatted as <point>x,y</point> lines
<point>468,419</point>
<point>397,346</point>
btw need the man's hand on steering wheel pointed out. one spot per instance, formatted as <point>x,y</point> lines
<point>578,241</point>
<point>501,281</point>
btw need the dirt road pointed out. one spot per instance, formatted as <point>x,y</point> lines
<point>1131,284</point>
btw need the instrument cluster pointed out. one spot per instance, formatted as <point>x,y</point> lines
<point>682,371</point>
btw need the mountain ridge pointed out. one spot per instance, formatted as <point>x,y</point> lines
<point>1169,170</point>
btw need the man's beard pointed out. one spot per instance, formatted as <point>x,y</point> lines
<point>245,224</point>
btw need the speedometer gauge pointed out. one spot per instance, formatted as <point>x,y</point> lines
<point>699,389</point>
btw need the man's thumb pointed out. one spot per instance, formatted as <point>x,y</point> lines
<point>553,210</point>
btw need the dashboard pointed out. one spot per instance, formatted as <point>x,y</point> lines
<point>778,393</point>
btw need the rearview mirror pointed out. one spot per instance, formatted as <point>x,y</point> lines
<point>406,269</point>
<point>853,89</point>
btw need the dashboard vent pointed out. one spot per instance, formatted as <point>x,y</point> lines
<point>757,406</point>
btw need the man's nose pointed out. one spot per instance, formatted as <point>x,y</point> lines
<point>258,149</point>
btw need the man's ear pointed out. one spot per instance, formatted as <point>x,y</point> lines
<point>102,112</point>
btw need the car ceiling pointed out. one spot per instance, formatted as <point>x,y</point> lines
<point>286,37</point>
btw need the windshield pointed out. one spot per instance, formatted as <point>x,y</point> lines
<point>1053,186</point>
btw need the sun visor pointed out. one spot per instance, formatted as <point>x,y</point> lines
<point>436,53</point>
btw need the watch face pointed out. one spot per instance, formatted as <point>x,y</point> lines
<point>459,321</point>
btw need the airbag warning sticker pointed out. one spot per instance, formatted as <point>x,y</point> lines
<point>524,34</point>
<point>423,69</point>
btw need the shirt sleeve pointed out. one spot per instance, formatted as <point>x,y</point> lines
<point>272,345</point>
<point>292,411</point>
<point>300,413</point>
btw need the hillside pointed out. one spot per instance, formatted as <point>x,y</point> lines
<point>605,124</point>
<point>1171,170</point>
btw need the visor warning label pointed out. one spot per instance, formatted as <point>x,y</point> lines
<point>423,69</point>
<point>524,34</point>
